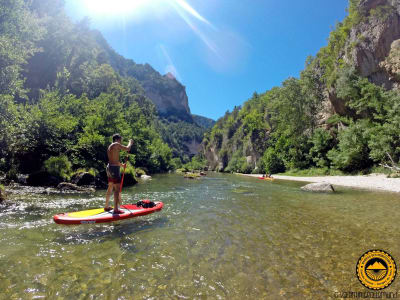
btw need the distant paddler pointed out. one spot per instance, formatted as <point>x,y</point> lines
<point>266,177</point>
<point>113,171</point>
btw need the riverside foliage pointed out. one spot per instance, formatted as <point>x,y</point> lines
<point>288,127</point>
<point>64,92</point>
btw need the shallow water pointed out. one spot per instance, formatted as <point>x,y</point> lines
<point>219,237</point>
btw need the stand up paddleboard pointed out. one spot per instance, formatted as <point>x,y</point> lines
<point>100,216</point>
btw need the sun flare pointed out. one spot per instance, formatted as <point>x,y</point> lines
<point>115,7</point>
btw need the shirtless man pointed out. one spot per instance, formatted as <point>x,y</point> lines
<point>113,173</point>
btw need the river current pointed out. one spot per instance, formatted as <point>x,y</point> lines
<point>218,237</point>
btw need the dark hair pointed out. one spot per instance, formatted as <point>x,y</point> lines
<point>116,137</point>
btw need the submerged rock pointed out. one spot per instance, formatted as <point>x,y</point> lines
<point>145,177</point>
<point>191,175</point>
<point>323,187</point>
<point>66,186</point>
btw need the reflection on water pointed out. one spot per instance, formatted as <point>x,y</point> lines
<point>220,237</point>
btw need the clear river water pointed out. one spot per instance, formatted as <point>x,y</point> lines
<point>219,237</point>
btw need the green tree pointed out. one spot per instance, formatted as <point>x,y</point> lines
<point>19,30</point>
<point>352,152</point>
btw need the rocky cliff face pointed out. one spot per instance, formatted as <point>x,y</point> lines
<point>373,48</point>
<point>373,40</point>
<point>169,96</point>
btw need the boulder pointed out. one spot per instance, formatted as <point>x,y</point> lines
<point>83,178</point>
<point>43,178</point>
<point>323,187</point>
<point>66,186</point>
<point>21,179</point>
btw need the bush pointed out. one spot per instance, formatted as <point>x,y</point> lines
<point>176,163</point>
<point>139,172</point>
<point>322,142</point>
<point>352,153</point>
<point>130,175</point>
<point>91,171</point>
<point>237,163</point>
<point>12,174</point>
<point>271,163</point>
<point>2,193</point>
<point>58,166</point>
<point>197,164</point>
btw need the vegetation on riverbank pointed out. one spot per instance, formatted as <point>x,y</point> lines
<point>2,193</point>
<point>295,127</point>
<point>64,92</point>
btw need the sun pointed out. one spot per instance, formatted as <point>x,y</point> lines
<point>115,7</point>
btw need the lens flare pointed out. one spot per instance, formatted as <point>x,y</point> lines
<point>114,7</point>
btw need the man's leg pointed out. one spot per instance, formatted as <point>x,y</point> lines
<point>108,194</point>
<point>116,196</point>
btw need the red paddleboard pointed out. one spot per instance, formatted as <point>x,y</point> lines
<point>98,215</point>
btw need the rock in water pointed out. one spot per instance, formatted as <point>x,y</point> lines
<point>66,186</point>
<point>323,187</point>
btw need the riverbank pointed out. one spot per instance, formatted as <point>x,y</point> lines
<point>371,182</point>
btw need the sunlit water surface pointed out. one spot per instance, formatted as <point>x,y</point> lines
<point>220,237</point>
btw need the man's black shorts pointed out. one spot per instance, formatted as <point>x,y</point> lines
<point>113,173</point>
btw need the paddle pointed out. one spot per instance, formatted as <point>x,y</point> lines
<point>123,175</point>
<point>122,182</point>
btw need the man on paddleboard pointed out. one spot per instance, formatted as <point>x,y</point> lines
<point>113,170</point>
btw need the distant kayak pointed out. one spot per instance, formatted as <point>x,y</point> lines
<point>267,178</point>
<point>98,215</point>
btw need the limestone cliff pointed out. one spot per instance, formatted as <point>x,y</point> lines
<point>373,39</point>
<point>169,96</point>
<point>372,48</point>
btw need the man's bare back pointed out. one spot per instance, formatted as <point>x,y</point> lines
<point>113,152</point>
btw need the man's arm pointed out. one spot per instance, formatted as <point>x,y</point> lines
<point>126,148</point>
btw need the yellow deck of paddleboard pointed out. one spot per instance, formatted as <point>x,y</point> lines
<point>86,213</point>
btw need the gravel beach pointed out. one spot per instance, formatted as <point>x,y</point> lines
<point>371,182</point>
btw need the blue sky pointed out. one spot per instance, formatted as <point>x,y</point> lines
<point>221,50</point>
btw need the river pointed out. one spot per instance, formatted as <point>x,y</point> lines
<point>219,237</point>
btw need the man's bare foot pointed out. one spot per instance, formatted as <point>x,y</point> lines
<point>108,208</point>
<point>118,211</point>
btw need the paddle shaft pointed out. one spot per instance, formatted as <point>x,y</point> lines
<point>123,175</point>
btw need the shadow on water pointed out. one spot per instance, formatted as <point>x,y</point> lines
<point>103,233</point>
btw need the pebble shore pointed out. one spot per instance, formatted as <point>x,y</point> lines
<point>371,182</point>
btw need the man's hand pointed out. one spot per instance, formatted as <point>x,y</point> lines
<point>131,142</point>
